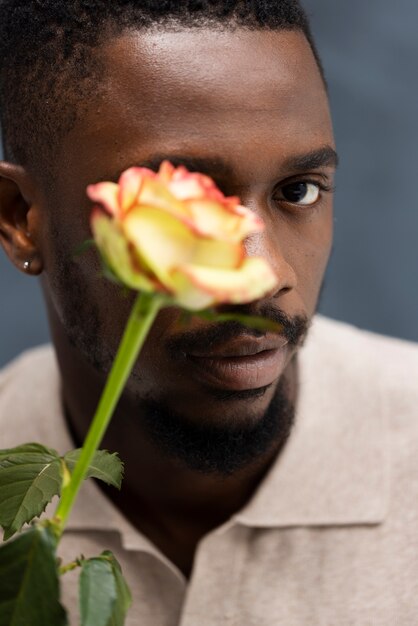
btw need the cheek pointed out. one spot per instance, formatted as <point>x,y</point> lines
<point>308,252</point>
<point>89,309</point>
<point>152,368</point>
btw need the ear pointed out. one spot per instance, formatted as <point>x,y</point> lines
<point>19,218</point>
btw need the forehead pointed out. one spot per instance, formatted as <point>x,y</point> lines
<point>203,91</point>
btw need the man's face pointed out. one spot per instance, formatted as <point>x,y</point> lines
<point>249,108</point>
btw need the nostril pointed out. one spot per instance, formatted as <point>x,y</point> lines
<point>283,291</point>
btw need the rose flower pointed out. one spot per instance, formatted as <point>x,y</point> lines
<point>175,232</point>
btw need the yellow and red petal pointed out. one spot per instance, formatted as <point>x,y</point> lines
<point>162,240</point>
<point>215,253</point>
<point>249,221</point>
<point>165,172</point>
<point>107,195</point>
<point>251,281</point>
<point>115,251</point>
<point>189,296</point>
<point>214,220</point>
<point>187,185</point>
<point>130,184</point>
<point>155,194</point>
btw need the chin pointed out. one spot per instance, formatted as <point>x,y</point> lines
<point>224,435</point>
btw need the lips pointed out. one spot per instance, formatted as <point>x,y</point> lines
<point>242,364</point>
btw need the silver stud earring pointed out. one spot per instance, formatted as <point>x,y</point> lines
<point>26,266</point>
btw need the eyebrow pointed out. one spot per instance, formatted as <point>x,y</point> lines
<point>218,168</point>
<point>212,166</point>
<point>324,157</point>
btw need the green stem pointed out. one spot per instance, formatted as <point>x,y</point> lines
<point>143,314</point>
<point>69,568</point>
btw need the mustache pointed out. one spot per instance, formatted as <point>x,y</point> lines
<point>294,329</point>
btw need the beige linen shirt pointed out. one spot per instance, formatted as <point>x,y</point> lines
<point>330,537</point>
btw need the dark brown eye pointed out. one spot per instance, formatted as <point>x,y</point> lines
<point>301,193</point>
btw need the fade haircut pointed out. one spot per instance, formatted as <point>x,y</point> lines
<point>48,69</point>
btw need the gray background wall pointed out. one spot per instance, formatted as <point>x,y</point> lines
<point>370,52</point>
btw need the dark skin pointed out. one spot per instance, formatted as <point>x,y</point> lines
<point>257,102</point>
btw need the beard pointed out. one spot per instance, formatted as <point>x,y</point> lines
<point>219,449</point>
<point>222,448</point>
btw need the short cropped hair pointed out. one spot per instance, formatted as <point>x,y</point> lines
<point>47,67</point>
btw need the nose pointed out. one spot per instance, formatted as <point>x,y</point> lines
<point>268,244</point>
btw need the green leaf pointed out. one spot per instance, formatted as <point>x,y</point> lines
<point>30,476</point>
<point>29,584</point>
<point>97,592</point>
<point>104,594</point>
<point>252,321</point>
<point>105,466</point>
<point>84,247</point>
<point>123,594</point>
<point>27,448</point>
